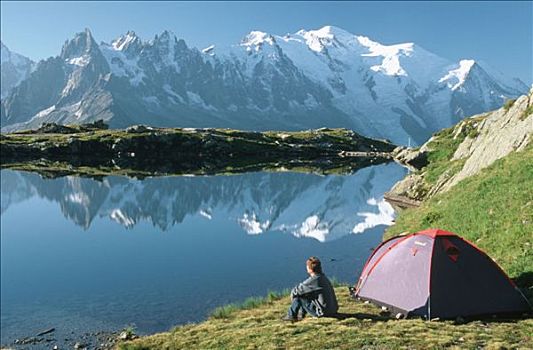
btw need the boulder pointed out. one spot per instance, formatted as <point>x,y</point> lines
<point>138,129</point>
<point>414,158</point>
<point>53,128</point>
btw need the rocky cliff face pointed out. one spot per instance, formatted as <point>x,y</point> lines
<point>501,132</point>
<point>309,79</point>
<point>467,148</point>
<point>14,68</point>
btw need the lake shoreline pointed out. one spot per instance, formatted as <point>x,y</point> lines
<point>141,151</point>
<point>219,151</point>
<point>101,340</point>
<point>280,189</point>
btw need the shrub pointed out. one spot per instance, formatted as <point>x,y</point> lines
<point>527,112</point>
<point>509,103</point>
<point>430,218</point>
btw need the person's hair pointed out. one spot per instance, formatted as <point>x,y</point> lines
<point>314,264</point>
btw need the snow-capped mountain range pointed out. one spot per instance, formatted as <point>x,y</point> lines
<point>309,79</point>
<point>303,205</point>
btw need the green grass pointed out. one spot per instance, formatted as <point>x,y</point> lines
<point>527,112</point>
<point>360,327</point>
<point>493,209</point>
<point>441,149</point>
<point>227,311</point>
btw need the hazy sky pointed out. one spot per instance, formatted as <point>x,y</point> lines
<point>500,33</point>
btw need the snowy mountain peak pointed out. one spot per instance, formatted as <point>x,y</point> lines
<point>167,43</point>
<point>309,79</point>
<point>456,77</point>
<point>10,56</point>
<point>330,32</point>
<point>467,63</point>
<point>126,41</point>
<point>320,39</point>
<point>256,39</point>
<point>390,55</point>
<point>82,44</point>
<point>385,50</point>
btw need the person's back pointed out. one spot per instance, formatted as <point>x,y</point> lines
<point>314,296</point>
<point>326,297</point>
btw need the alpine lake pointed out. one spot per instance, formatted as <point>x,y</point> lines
<point>84,255</point>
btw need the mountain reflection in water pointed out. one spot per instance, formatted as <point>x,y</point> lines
<point>82,255</point>
<point>304,205</point>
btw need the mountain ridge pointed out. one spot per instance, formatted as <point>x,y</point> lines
<point>14,68</point>
<point>309,79</point>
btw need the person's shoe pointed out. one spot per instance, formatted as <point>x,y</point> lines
<point>288,318</point>
<point>300,316</point>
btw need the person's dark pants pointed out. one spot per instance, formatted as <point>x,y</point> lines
<point>303,305</point>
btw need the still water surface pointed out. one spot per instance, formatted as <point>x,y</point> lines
<point>83,255</point>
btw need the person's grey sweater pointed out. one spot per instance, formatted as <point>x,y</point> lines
<point>319,290</point>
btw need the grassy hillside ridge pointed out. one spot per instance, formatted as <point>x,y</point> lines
<point>170,142</point>
<point>476,183</point>
<point>140,151</point>
<point>493,209</point>
<point>461,151</point>
<point>439,151</point>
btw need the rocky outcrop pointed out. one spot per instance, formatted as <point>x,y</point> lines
<point>503,131</point>
<point>412,158</point>
<point>471,145</point>
<point>54,128</point>
<point>407,192</point>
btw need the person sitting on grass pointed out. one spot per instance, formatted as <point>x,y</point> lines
<point>314,296</point>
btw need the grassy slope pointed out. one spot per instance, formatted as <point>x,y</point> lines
<point>361,327</point>
<point>441,150</point>
<point>494,209</point>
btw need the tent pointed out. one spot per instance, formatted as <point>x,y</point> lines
<point>437,274</point>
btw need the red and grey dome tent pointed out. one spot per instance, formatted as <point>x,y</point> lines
<point>437,274</point>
